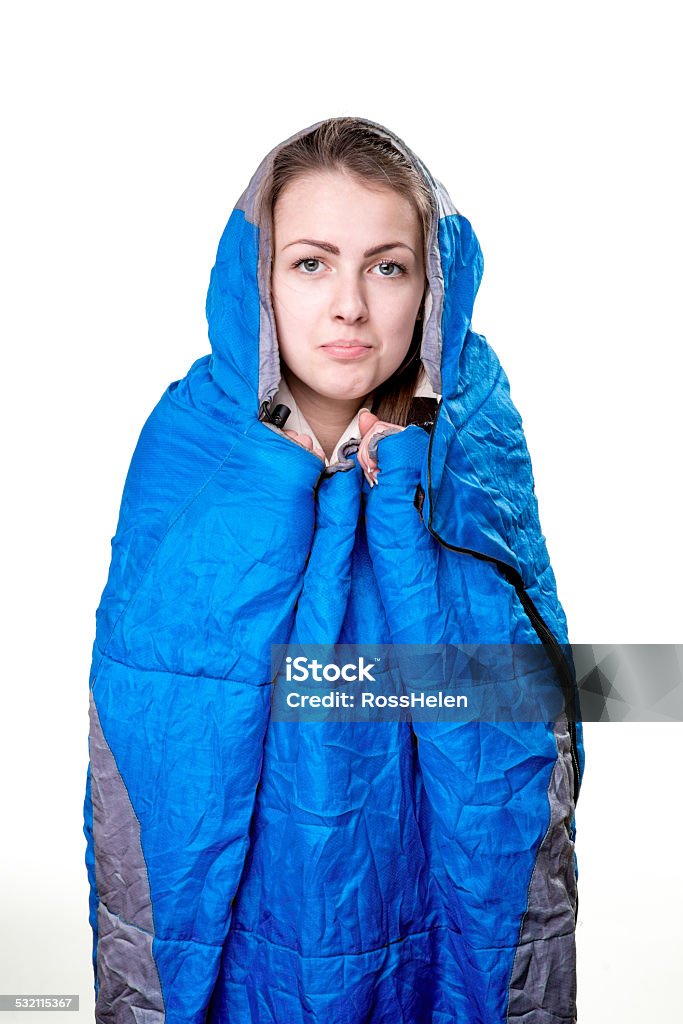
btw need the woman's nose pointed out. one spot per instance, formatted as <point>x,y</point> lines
<point>349,302</point>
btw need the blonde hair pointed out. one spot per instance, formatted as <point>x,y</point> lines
<point>349,144</point>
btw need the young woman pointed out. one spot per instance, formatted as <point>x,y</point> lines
<point>346,468</point>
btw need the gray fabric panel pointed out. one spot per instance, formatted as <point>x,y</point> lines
<point>129,990</point>
<point>147,1016</point>
<point>546,995</point>
<point>543,982</point>
<point>446,204</point>
<point>269,355</point>
<point>345,462</point>
<point>269,359</point>
<point>125,963</point>
<point>121,872</point>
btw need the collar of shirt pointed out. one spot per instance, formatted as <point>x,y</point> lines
<point>298,422</point>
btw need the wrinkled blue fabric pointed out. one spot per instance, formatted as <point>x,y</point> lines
<point>246,870</point>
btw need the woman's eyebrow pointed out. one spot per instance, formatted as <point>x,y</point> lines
<point>328,247</point>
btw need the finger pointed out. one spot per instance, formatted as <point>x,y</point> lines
<point>307,441</point>
<point>369,467</point>
<point>378,427</point>
<point>303,439</point>
<point>368,461</point>
<point>363,455</point>
<point>371,476</point>
<point>366,420</point>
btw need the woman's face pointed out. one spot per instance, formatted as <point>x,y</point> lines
<point>347,280</point>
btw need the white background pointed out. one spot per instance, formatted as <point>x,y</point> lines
<point>129,131</point>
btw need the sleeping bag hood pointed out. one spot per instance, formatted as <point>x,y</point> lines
<point>243,869</point>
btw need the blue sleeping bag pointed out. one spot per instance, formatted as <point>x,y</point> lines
<point>244,869</point>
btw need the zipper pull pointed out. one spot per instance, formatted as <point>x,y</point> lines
<point>278,416</point>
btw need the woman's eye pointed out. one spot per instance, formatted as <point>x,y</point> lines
<point>306,264</point>
<point>391,266</point>
<point>388,268</point>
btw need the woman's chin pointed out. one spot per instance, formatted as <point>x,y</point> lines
<point>344,387</point>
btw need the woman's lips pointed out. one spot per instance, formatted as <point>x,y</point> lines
<point>347,351</point>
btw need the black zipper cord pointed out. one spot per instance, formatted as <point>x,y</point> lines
<point>547,638</point>
<point>544,633</point>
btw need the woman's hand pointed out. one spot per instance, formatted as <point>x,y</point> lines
<point>370,426</point>
<point>307,441</point>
